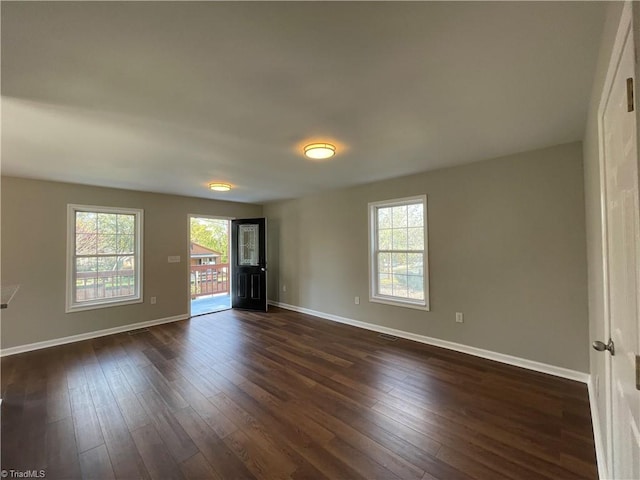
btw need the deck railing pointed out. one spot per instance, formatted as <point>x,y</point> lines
<point>205,280</point>
<point>209,279</point>
<point>96,285</point>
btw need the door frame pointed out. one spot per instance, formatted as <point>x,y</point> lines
<point>188,257</point>
<point>605,462</point>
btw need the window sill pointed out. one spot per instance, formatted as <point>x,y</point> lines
<point>94,306</point>
<point>399,303</point>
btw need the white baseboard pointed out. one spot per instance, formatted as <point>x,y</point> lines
<point>598,437</point>
<point>86,336</point>
<point>458,347</point>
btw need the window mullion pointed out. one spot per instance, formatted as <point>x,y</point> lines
<point>103,255</point>
<point>399,251</point>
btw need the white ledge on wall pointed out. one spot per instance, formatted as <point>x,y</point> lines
<point>89,335</point>
<point>458,347</point>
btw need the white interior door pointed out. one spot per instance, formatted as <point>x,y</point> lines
<point>623,266</point>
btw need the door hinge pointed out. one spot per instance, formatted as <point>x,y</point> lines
<point>630,102</point>
<point>637,372</point>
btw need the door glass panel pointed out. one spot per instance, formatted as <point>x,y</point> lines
<point>248,240</point>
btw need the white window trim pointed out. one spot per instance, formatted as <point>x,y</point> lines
<point>373,266</point>
<point>70,306</point>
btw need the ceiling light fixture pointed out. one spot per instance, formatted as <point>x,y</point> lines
<point>319,151</point>
<point>220,187</point>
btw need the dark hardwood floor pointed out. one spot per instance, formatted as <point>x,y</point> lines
<point>285,395</point>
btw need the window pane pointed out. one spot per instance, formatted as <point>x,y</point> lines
<point>400,239</point>
<point>125,244</point>
<point>107,264</point>
<point>248,240</point>
<point>86,288</point>
<point>86,244</point>
<point>384,218</point>
<point>125,264</point>
<point>400,286</point>
<point>385,281</point>
<point>86,279</point>
<point>126,276</point>
<point>106,244</point>
<point>399,261</point>
<point>86,265</point>
<point>126,224</point>
<point>107,223</point>
<point>416,217</point>
<point>106,273</point>
<point>86,222</point>
<point>384,239</point>
<point>415,264</point>
<point>400,216</point>
<point>416,239</point>
<point>384,263</point>
<point>415,287</point>
<point>118,284</point>
<point>108,287</point>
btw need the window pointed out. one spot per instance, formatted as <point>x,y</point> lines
<point>104,257</point>
<point>248,245</point>
<point>398,269</point>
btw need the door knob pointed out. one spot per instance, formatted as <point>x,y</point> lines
<point>601,347</point>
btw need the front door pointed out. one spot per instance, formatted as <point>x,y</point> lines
<point>249,257</point>
<point>623,264</point>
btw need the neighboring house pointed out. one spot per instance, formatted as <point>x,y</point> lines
<point>207,280</point>
<point>201,255</point>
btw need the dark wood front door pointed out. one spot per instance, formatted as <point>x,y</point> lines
<point>249,270</point>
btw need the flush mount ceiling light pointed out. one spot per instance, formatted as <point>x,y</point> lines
<point>319,151</point>
<point>220,187</point>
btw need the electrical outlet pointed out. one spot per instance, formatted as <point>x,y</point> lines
<point>459,317</point>
<point>284,288</point>
<point>153,300</point>
<point>356,300</point>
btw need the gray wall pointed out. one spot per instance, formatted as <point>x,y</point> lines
<point>34,236</point>
<point>593,209</point>
<point>506,248</point>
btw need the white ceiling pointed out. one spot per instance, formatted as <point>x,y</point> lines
<point>167,97</point>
